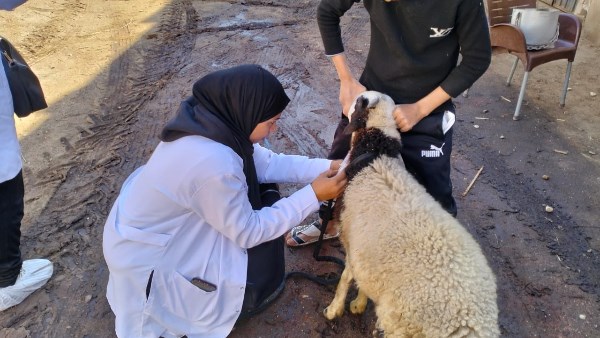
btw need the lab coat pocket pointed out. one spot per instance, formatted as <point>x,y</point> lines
<point>173,293</point>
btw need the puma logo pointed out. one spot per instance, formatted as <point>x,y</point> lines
<point>439,149</point>
<point>434,152</point>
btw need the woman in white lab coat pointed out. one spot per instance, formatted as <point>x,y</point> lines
<point>178,238</point>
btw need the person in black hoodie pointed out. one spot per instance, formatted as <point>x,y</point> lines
<point>413,57</point>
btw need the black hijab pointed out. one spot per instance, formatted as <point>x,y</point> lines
<point>226,106</point>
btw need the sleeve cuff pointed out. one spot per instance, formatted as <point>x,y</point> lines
<point>308,195</point>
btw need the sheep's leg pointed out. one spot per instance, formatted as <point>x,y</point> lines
<point>336,308</point>
<point>358,305</point>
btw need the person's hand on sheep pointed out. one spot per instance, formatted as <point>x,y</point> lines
<point>407,115</point>
<point>349,90</point>
<point>329,185</point>
<point>335,164</point>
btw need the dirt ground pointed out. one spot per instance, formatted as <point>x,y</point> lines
<point>115,70</point>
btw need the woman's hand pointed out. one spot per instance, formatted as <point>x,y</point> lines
<point>329,185</point>
<point>335,165</point>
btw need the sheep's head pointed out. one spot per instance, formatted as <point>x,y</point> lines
<point>373,110</point>
<point>374,131</point>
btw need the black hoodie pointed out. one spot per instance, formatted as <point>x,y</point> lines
<point>415,44</point>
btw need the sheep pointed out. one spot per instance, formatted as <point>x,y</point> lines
<point>425,274</point>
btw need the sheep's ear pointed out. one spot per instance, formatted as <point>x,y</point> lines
<point>372,101</point>
<point>359,117</point>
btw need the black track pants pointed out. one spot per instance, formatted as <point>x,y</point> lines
<point>11,214</point>
<point>426,154</point>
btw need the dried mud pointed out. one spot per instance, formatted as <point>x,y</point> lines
<point>76,157</point>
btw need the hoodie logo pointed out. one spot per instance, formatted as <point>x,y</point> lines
<point>433,151</point>
<point>440,32</point>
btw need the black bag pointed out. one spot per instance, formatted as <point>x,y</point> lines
<point>24,86</point>
<point>266,265</point>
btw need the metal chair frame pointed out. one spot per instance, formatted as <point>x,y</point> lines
<point>507,38</point>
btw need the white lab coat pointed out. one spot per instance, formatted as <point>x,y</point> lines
<point>184,215</point>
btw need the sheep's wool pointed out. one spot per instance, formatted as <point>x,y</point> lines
<point>426,275</point>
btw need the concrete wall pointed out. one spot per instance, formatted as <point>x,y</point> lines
<point>591,25</point>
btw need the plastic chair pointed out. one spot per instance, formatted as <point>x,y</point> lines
<point>507,38</point>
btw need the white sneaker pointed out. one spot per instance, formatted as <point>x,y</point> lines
<point>34,274</point>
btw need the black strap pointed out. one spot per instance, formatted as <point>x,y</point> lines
<point>364,156</point>
<point>326,214</point>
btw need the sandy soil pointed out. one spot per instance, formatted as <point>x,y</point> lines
<point>114,71</point>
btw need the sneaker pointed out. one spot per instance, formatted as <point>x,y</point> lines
<point>302,235</point>
<point>34,274</point>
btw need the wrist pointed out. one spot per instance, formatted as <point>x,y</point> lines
<point>430,102</point>
<point>312,186</point>
<point>423,109</point>
<point>343,70</point>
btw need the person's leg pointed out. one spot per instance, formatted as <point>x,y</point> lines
<point>11,214</point>
<point>18,278</point>
<point>265,277</point>
<point>308,233</point>
<point>427,158</point>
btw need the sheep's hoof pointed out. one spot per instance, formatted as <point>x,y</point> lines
<point>378,333</point>
<point>331,314</point>
<point>357,307</point>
